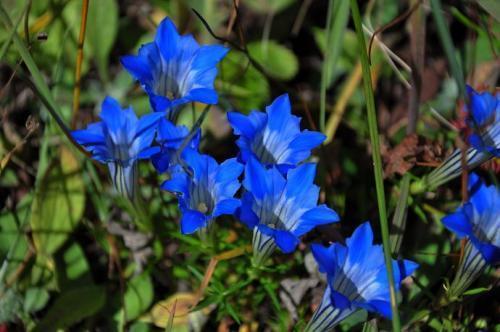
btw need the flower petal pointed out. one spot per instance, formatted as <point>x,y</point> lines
<point>286,241</point>
<point>227,206</point>
<point>192,220</point>
<point>138,67</point>
<point>167,39</point>
<point>458,222</point>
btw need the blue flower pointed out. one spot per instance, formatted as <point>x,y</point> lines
<point>484,139</point>
<point>356,277</point>
<point>205,189</point>
<point>280,209</point>
<point>484,118</point>
<point>479,219</point>
<point>119,141</point>
<point>274,137</point>
<point>175,70</point>
<point>171,138</point>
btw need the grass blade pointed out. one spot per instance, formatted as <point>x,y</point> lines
<point>5,46</point>
<point>40,87</point>
<point>398,224</point>
<point>377,161</point>
<point>449,49</point>
<point>336,23</point>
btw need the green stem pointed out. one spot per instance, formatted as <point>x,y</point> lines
<point>377,162</point>
<point>325,69</point>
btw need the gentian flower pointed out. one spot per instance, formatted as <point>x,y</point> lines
<point>205,189</point>
<point>478,220</point>
<point>119,140</point>
<point>171,138</point>
<point>484,119</point>
<point>356,279</point>
<point>274,137</point>
<point>279,209</point>
<point>175,69</point>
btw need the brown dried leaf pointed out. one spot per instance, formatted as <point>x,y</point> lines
<point>402,158</point>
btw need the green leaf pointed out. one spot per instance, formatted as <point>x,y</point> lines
<point>398,224</point>
<point>476,291</point>
<point>35,299</point>
<point>72,267</point>
<point>240,81</point>
<point>337,17</point>
<point>58,204</point>
<point>268,6</point>
<point>447,44</point>
<point>102,29</point>
<point>277,60</point>
<point>73,306</point>
<point>138,296</point>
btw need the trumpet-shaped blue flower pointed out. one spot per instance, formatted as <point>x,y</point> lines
<point>484,118</point>
<point>280,209</point>
<point>205,189</point>
<point>119,140</point>
<point>356,277</point>
<point>479,219</point>
<point>170,138</point>
<point>274,137</point>
<point>484,139</point>
<point>175,69</point>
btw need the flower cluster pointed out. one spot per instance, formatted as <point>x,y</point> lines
<point>277,198</point>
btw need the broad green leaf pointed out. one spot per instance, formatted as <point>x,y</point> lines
<point>268,6</point>
<point>246,87</point>
<point>73,306</point>
<point>58,203</point>
<point>35,299</point>
<point>72,267</point>
<point>102,29</point>
<point>277,60</point>
<point>138,296</point>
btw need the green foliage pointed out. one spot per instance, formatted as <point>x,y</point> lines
<point>138,296</point>
<point>268,6</point>
<point>242,82</point>
<point>102,30</point>
<point>58,204</point>
<point>278,61</point>
<point>72,256</point>
<point>63,313</point>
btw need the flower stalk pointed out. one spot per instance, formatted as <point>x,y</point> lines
<point>377,161</point>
